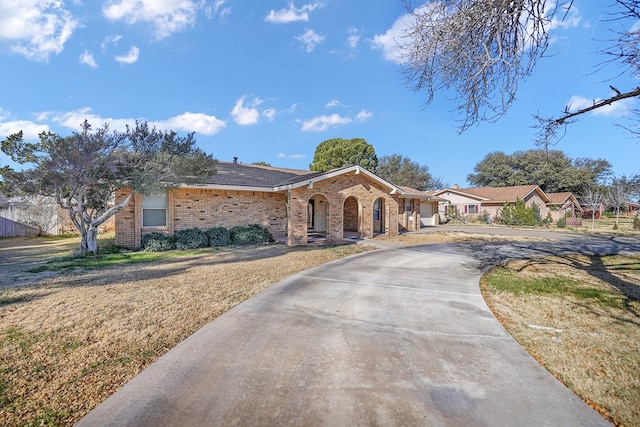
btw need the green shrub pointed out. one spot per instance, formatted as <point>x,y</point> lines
<point>191,238</point>
<point>636,223</point>
<point>608,214</point>
<point>219,236</point>
<point>562,222</point>
<point>518,214</point>
<point>157,242</point>
<point>250,235</point>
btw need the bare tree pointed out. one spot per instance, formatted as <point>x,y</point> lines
<point>593,199</point>
<point>618,196</point>
<point>482,49</point>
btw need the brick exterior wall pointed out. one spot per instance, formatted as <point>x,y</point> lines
<point>351,214</point>
<point>337,190</point>
<point>205,208</point>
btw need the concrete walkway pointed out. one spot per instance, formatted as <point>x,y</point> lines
<point>395,337</point>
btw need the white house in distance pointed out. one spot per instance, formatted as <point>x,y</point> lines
<point>478,200</point>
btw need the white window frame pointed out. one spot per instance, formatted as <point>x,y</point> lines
<point>377,210</point>
<point>154,202</point>
<point>409,205</point>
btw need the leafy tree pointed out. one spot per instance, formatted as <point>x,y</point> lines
<point>517,214</point>
<point>5,189</point>
<point>482,49</point>
<point>401,170</point>
<point>552,170</point>
<point>83,170</point>
<point>261,163</point>
<point>338,152</point>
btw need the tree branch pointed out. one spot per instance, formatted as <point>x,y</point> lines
<point>599,104</point>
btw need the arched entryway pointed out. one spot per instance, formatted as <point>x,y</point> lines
<point>317,215</point>
<point>379,215</point>
<point>351,218</point>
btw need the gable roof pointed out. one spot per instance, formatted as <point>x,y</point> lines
<point>563,199</point>
<point>559,198</point>
<point>237,176</point>
<point>497,194</point>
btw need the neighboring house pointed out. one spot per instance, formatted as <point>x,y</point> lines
<point>429,205</point>
<point>294,205</point>
<point>564,205</point>
<point>29,216</point>
<point>474,201</point>
<point>633,209</point>
<point>36,215</point>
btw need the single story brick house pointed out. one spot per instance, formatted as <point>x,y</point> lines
<point>478,200</point>
<point>564,205</point>
<point>294,205</point>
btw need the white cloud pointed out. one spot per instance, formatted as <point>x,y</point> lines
<point>188,122</point>
<point>218,8</point>
<point>333,103</point>
<point>292,13</point>
<point>74,119</point>
<point>164,16</point>
<point>110,40</point>
<point>363,115</point>
<point>36,29</point>
<point>292,156</point>
<point>310,39</point>
<point>616,109</point>
<point>389,42</point>
<point>193,122</point>
<point>131,56</point>
<point>269,113</point>
<point>563,18</point>
<point>30,130</point>
<point>354,38</point>
<point>87,58</point>
<point>321,123</point>
<point>248,115</point>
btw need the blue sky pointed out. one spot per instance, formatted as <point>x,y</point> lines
<point>269,80</point>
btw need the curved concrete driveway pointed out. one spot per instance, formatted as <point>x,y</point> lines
<point>399,336</point>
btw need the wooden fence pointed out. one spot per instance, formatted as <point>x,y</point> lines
<point>10,228</point>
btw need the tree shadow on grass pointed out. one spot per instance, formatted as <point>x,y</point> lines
<point>595,249</point>
<point>165,267</point>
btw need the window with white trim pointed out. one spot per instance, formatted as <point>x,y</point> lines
<point>471,209</point>
<point>377,210</point>
<point>409,207</point>
<point>154,210</point>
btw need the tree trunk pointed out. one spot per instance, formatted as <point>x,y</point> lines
<point>89,242</point>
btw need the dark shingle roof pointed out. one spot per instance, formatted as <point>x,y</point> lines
<point>254,175</point>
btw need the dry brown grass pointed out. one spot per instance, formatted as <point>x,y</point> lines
<point>452,237</point>
<point>68,341</point>
<point>590,345</point>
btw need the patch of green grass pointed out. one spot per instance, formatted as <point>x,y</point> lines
<point>105,260</point>
<point>505,280</point>
<point>7,298</point>
<point>49,417</point>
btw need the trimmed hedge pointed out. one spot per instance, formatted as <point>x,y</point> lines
<point>250,235</point>
<point>219,236</point>
<point>194,238</point>
<point>191,238</point>
<point>157,242</point>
